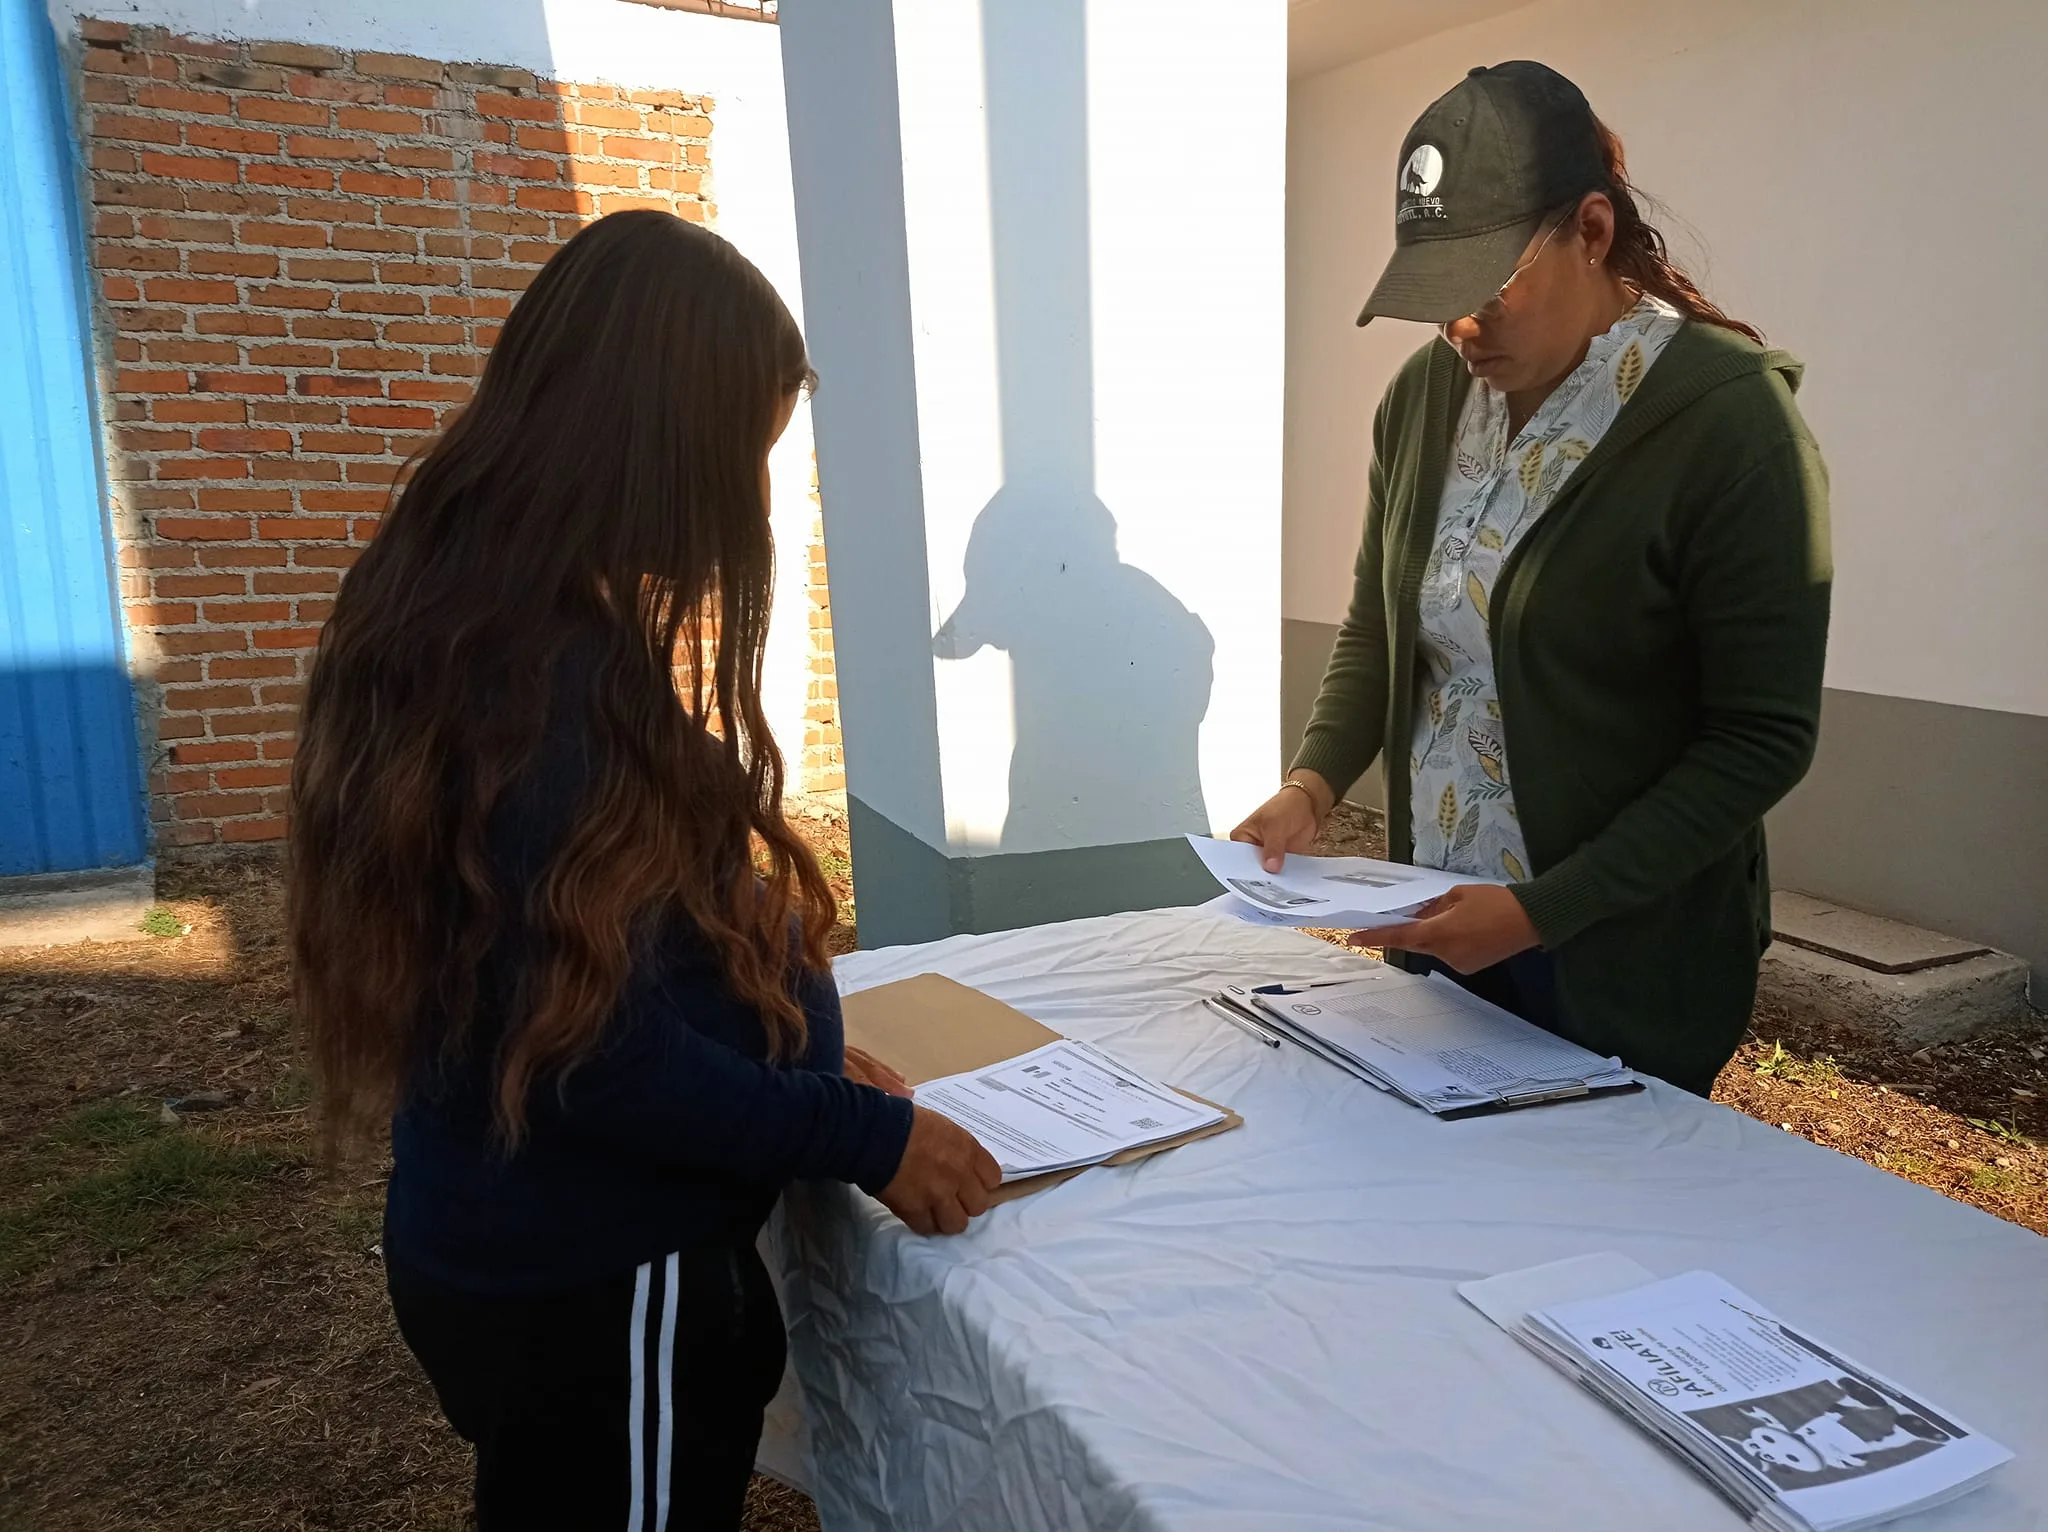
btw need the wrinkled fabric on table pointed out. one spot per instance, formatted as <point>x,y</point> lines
<point>1260,1331</point>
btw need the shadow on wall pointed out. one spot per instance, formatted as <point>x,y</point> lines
<point>1111,674</point>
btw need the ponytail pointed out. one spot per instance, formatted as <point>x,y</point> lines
<point>1639,257</point>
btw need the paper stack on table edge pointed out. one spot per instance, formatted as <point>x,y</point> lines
<point>1062,1107</point>
<point>1046,1106</point>
<point>1434,1043</point>
<point>1793,1435</point>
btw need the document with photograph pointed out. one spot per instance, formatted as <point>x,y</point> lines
<point>1230,907</point>
<point>1797,1436</point>
<point>1354,892</point>
<point>1060,1106</point>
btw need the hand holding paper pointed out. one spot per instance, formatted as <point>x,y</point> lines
<point>1044,1104</point>
<point>1062,1106</point>
<point>1354,891</point>
<point>1469,928</point>
<point>1289,821</point>
<point>944,1178</point>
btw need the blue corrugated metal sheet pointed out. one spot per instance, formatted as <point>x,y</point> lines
<point>70,791</point>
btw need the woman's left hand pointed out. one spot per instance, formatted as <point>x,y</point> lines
<point>1472,927</point>
<point>864,1068</point>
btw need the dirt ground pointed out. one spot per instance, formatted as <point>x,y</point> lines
<point>193,1332</point>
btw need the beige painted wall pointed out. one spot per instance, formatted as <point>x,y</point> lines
<point>1864,178</point>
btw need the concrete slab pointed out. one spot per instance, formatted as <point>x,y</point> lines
<point>1868,941</point>
<point>1884,978</point>
<point>54,909</point>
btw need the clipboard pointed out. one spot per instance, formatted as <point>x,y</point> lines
<point>1261,999</point>
<point>929,1026</point>
<point>1517,1101</point>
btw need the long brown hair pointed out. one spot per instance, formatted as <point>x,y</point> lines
<point>1639,256</point>
<point>606,480</point>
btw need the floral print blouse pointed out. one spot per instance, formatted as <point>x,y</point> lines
<point>1495,489</point>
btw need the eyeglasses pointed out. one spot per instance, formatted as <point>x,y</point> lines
<point>1510,282</point>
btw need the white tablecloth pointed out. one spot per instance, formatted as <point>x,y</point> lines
<point>1259,1332</point>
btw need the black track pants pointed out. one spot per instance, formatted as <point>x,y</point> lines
<point>633,1405</point>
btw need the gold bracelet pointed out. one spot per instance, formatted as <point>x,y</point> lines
<point>1303,789</point>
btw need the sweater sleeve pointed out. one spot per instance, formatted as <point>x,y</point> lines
<point>1347,729</point>
<point>1754,586</point>
<point>661,1089</point>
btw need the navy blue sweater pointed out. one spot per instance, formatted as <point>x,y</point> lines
<point>674,1134</point>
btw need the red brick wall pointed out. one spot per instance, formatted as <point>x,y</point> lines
<point>822,764</point>
<point>303,255</point>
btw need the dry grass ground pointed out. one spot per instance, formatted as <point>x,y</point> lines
<point>192,1324</point>
<point>193,1332</point>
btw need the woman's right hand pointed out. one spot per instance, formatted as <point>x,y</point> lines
<point>1287,823</point>
<point>944,1178</point>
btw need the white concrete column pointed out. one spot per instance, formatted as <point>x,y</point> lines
<point>1043,287</point>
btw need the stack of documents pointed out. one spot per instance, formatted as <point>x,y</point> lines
<point>1061,1106</point>
<point>1434,1043</point>
<point>1329,891</point>
<point>1797,1437</point>
<point>1043,1105</point>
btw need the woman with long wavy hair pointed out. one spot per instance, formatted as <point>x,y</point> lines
<point>548,919</point>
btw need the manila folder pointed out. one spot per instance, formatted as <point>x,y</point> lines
<point>928,1027</point>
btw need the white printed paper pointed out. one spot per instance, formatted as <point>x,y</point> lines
<point>1437,1043</point>
<point>1354,891</point>
<point>1783,1425</point>
<point>1506,1299</point>
<point>1230,907</point>
<point>1059,1106</point>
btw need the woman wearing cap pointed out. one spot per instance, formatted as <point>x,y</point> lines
<point>1591,605</point>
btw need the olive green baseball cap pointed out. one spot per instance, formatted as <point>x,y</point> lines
<point>1480,169</point>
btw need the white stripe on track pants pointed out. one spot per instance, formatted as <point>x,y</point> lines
<point>633,1403</point>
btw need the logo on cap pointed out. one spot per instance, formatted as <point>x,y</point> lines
<point>1425,169</point>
